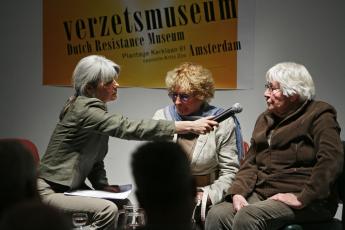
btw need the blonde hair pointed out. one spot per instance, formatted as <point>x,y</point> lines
<point>193,79</point>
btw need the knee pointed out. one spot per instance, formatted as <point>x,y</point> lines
<point>110,209</point>
<point>218,217</point>
<point>105,210</point>
<point>215,214</point>
<point>245,218</point>
<point>105,215</point>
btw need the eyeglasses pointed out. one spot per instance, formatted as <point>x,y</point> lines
<point>183,96</point>
<point>271,89</point>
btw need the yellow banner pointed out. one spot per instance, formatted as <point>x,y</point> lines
<point>146,38</point>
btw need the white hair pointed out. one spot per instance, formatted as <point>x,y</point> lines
<point>92,70</point>
<point>293,78</point>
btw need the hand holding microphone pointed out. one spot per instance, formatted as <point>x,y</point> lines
<point>202,125</point>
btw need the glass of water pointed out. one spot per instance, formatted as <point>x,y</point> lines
<point>79,219</point>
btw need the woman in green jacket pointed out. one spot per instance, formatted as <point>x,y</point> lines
<point>79,142</point>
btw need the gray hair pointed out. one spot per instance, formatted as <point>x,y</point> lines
<point>92,70</point>
<point>293,78</point>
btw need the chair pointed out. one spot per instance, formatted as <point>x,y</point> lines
<point>245,149</point>
<point>333,224</point>
<point>29,145</point>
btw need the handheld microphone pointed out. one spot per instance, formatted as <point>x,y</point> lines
<point>236,108</point>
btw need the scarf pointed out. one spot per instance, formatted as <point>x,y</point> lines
<point>170,113</point>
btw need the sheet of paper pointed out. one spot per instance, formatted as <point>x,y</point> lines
<point>125,190</point>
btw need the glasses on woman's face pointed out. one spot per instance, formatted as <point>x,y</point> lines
<point>183,97</point>
<point>272,90</point>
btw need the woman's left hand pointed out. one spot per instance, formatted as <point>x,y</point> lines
<point>199,196</point>
<point>288,198</point>
<point>111,188</point>
<point>238,202</point>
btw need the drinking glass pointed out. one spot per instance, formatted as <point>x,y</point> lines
<point>130,218</point>
<point>79,219</point>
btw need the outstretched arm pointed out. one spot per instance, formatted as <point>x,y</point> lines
<point>200,126</point>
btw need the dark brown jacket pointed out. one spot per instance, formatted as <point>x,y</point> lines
<point>305,156</point>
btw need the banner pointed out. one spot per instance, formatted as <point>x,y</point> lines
<point>146,38</point>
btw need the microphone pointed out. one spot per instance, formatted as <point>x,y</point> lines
<point>236,108</point>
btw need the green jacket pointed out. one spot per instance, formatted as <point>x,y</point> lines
<point>305,156</point>
<point>79,142</point>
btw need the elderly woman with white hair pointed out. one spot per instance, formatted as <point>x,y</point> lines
<point>289,174</point>
<point>79,142</point>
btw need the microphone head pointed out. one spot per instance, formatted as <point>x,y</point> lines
<point>237,108</point>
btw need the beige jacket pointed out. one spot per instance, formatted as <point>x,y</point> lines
<point>214,153</point>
